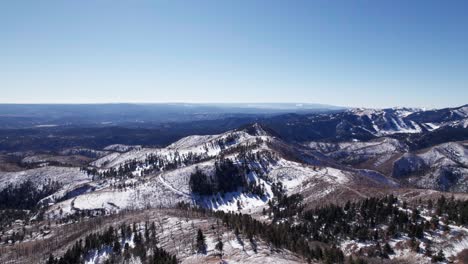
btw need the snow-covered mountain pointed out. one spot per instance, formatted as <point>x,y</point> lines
<point>408,120</point>
<point>365,124</point>
<point>363,152</point>
<point>376,154</point>
<point>386,121</point>
<point>443,167</point>
<point>161,177</point>
<point>319,171</point>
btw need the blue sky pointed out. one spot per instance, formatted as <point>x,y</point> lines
<point>348,53</point>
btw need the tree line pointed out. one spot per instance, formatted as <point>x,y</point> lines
<point>117,243</point>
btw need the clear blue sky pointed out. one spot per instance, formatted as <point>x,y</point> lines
<point>349,53</point>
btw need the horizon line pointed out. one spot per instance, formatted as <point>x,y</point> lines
<point>221,103</point>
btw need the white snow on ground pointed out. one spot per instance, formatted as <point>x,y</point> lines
<point>451,242</point>
<point>148,194</point>
<point>98,256</point>
<point>177,236</point>
<point>46,125</point>
<point>115,159</point>
<point>396,117</point>
<point>104,199</point>
<point>42,175</point>
<point>365,112</point>
<point>74,189</point>
<point>192,141</point>
<point>169,187</point>
<point>166,188</point>
<point>293,175</point>
<point>402,127</point>
<point>460,123</point>
<point>85,152</point>
<point>431,126</point>
<point>450,153</point>
<point>121,147</point>
<point>404,112</point>
<point>372,147</point>
<point>177,181</point>
<point>233,201</point>
<point>462,111</point>
<point>209,146</point>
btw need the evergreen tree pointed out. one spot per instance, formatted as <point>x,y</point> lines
<point>117,248</point>
<point>51,259</point>
<point>439,257</point>
<point>219,245</point>
<point>127,251</point>
<point>201,242</point>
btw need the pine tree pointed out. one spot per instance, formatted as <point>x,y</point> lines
<point>219,246</point>
<point>439,257</point>
<point>117,247</point>
<point>387,249</point>
<point>51,259</point>
<point>127,251</point>
<point>201,242</point>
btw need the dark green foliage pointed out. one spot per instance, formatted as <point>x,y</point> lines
<point>201,242</point>
<point>387,249</point>
<point>9,215</point>
<point>360,220</point>
<point>283,206</point>
<point>111,238</point>
<point>25,195</point>
<point>455,210</point>
<point>281,235</point>
<point>152,163</point>
<point>51,260</point>
<point>331,224</point>
<point>439,257</point>
<point>160,256</point>
<point>228,177</point>
<point>199,183</point>
<point>219,245</point>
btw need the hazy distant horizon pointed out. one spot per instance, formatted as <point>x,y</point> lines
<point>243,104</point>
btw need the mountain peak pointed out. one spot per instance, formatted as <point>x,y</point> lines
<point>258,129</point>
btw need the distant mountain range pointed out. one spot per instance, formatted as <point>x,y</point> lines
<point>126,114</point>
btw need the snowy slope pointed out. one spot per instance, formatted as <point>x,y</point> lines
<point>206,146</point>
<point>40,176</point>
<point>387,121</point>
<point>443,167</point>
<point>271,161</point>
<point>377,154</point>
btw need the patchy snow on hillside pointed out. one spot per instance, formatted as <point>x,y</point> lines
<point>372,147</point>
<point>268,163</point>
<point>121,147</point>
<point>431,126</point>
<point>42,175</point>
<point>85,152</point>
<point>462,111</point>
<point>446,154</point>
<point>401,126</point>
<point>391,121</point>
<point>207,146</point>
<point>442,167</point>
<point>451,242</point>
